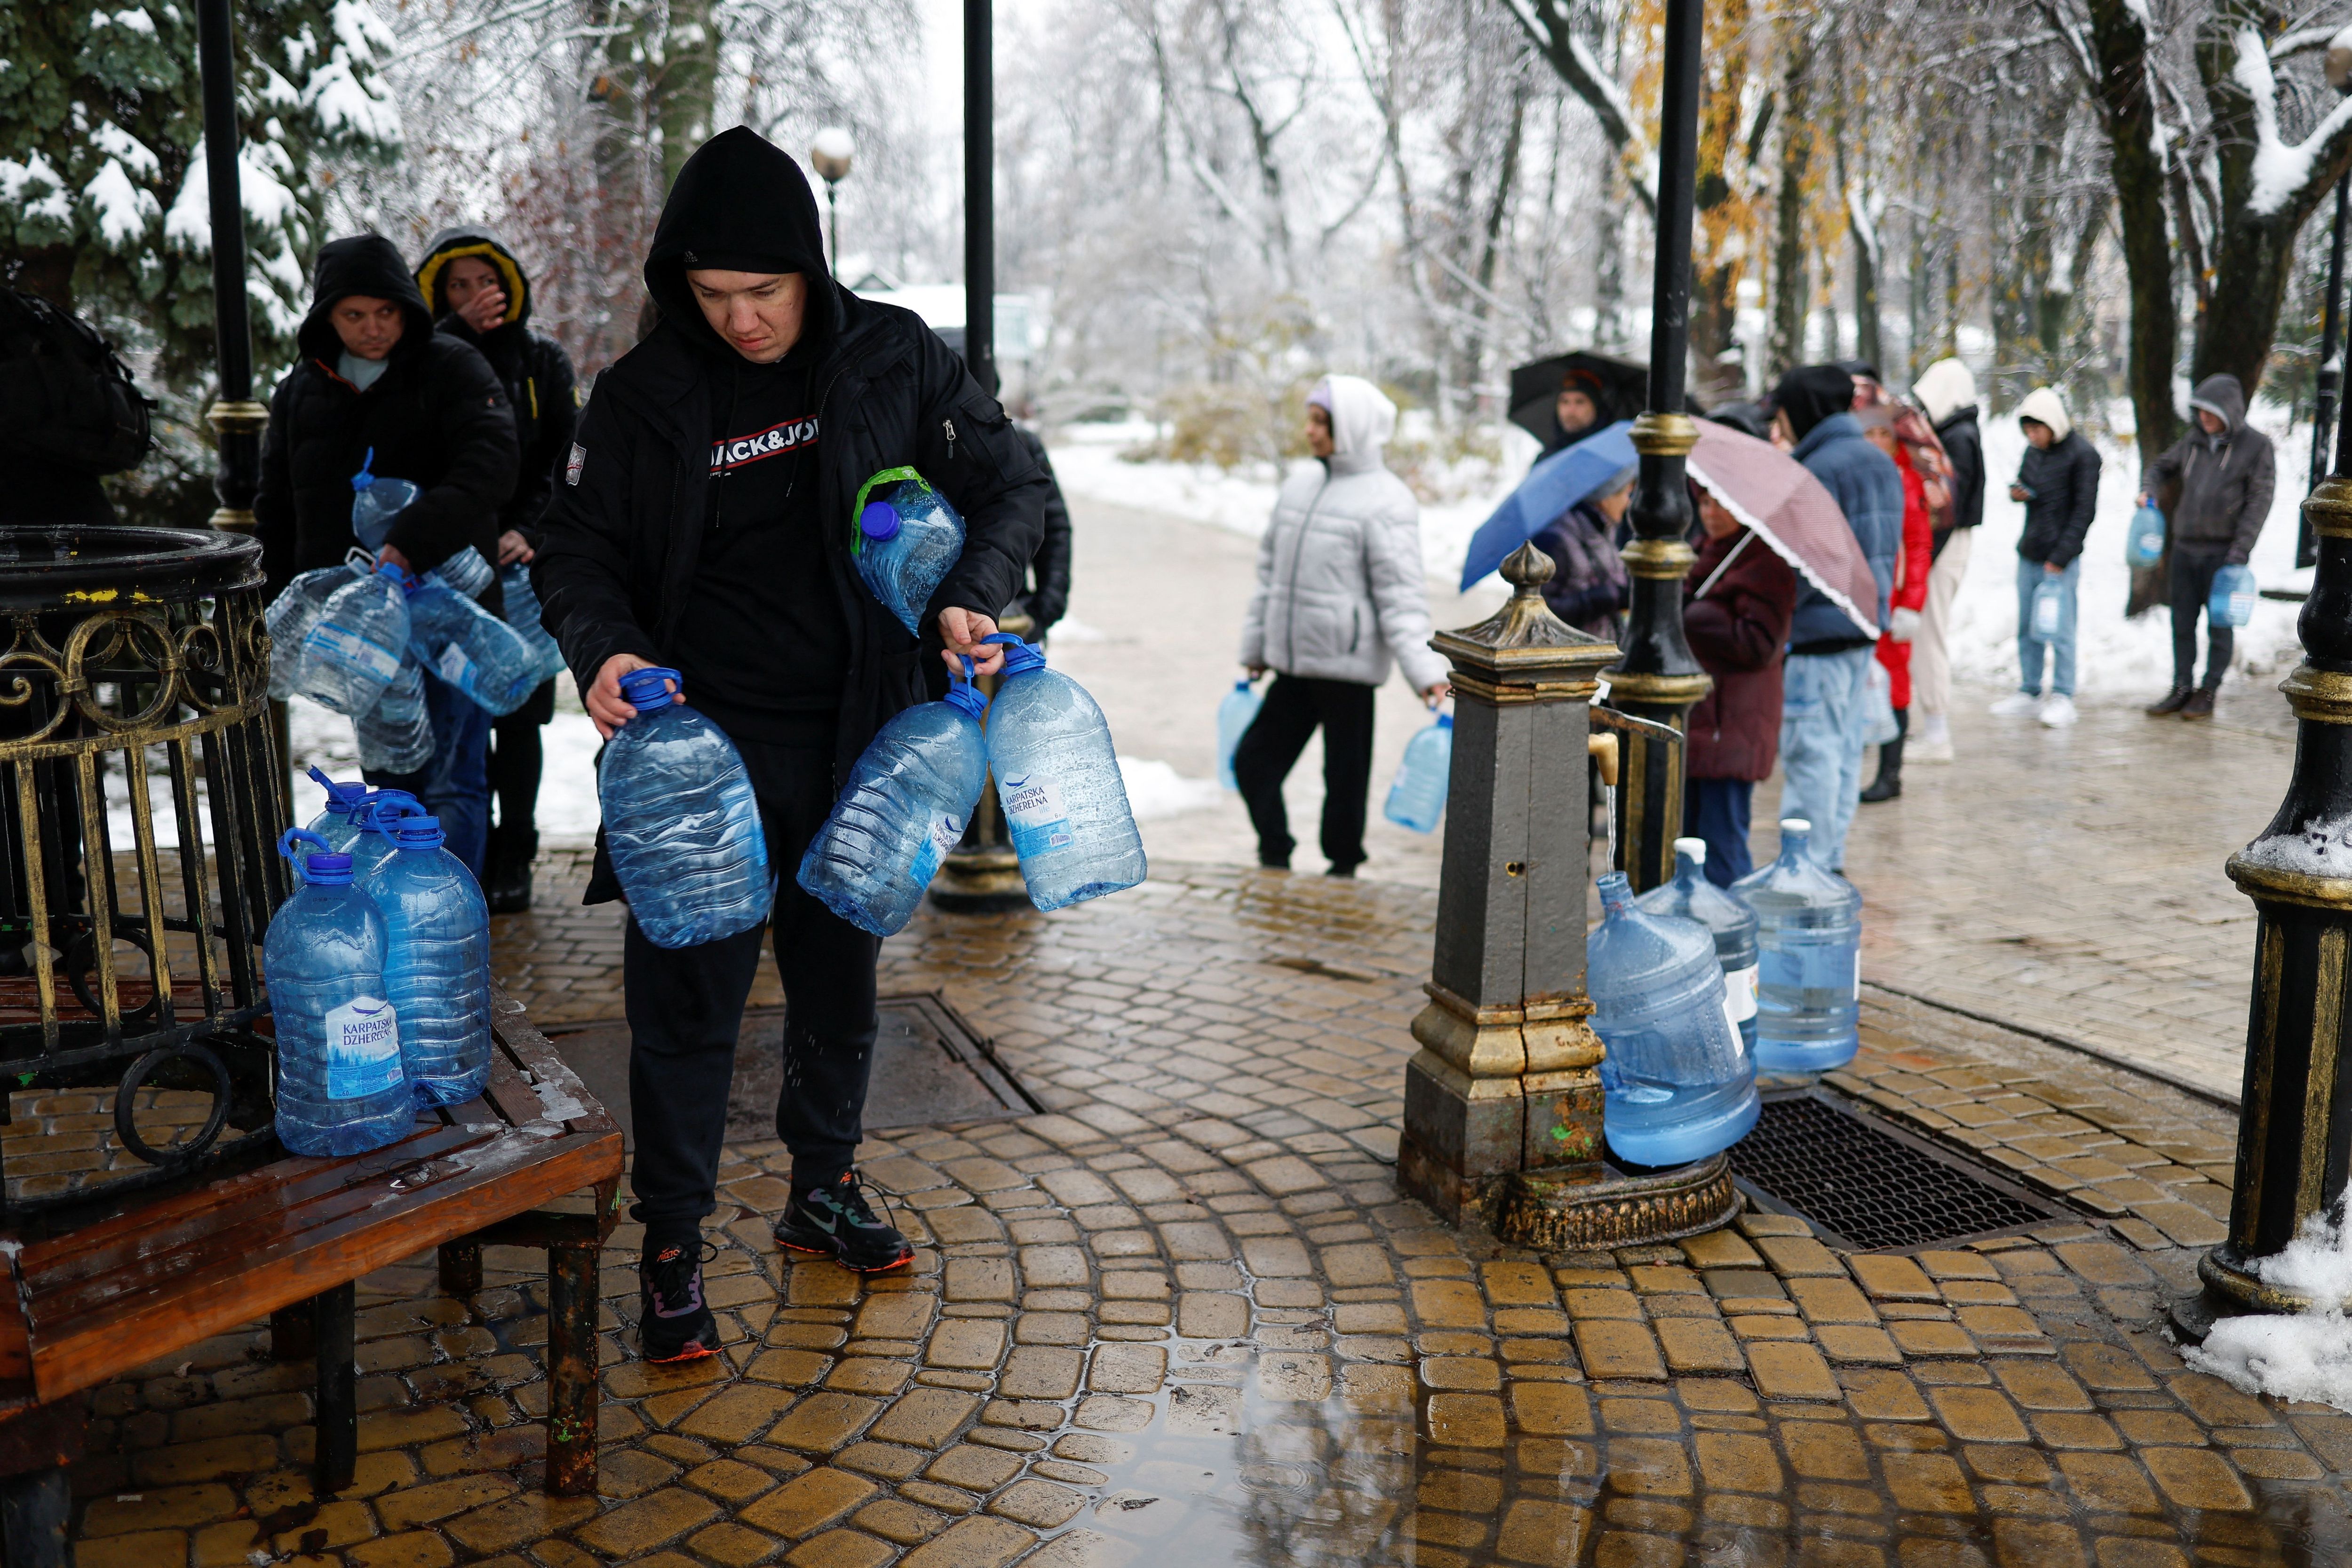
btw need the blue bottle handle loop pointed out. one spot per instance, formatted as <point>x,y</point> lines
<point>1019,656</point>
<point>964,695</point>
<point>364,478</point>
<point>288,844</point>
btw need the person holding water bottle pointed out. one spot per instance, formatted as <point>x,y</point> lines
<point>1339,596</point>
<point>2224,471</point>
<point>703,524</point>
<point>2059,483</point>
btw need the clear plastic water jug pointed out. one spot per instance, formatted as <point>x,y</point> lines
<point>396,734</point>
<point>907,539</point>
<point>1807,960</point>
<point>1688,896</point>
<point>2233,596</point>
<point>291,615</point>
<point>464,573</point>
<point>681,825</point>
<point>339,1086</point>
<point>332,825</point>
<point>2144,537</point>
<point>1057,780</point>
<point>2049,606</point>
<point>1677,1084</point>
<point>1417,798</point>
<point>523,614</point>
<point>470,648</point>
<point>376,500</point>
<point>352,650</point>
<point>436,964</point>
<point>1234,715</point>
<point>372,842</point>
<point>905,805</point>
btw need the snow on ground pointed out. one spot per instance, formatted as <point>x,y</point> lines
<point>567,790</point>
<point>2307,1356</point>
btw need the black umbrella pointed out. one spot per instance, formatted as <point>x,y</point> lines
<point>1624,391</point>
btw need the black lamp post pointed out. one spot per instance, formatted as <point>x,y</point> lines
<point>980,193</point>
<point>237,420</point>
<point>830,156</point>
<point>2331,328</point>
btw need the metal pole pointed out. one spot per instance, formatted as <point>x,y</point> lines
<point>1656,677</point>
<point>979,193</point>
<point>237,420</point>
<point>2331,373</point>
<point>832,222</point>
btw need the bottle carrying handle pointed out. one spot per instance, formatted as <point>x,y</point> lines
<point>365,477</point>
<point>293,836</point>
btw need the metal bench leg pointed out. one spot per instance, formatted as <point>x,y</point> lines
<point>34,1511</point>
<point>338,1447</point>
<point>461,1269</point>
<point>291,1336</point>
<point>571,1355</point>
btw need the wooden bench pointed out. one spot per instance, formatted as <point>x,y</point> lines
<point>287,1240</point>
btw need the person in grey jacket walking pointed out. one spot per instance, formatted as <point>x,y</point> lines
<point>2226,471</point>
<point>1339,597</point>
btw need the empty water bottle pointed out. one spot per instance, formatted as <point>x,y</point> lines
<point>523,615</point>
<point>371,842</point>
<point>2144,537</point>
<point>680,822</point>
<point>1690,897</point>
<point>1417,799</point>
<point>376,500</point>
<point>436,964</point>
<point>904,808</point>
<point>291,615</point>
<point>1807,960</point>
<point>2049,605</point>
<point>339,1086</point>
<point>333,823</point>
<point>1234,715</point>
<point>470,648</point>
<point>907,538</point>
<point>1677,1083</point>
<point>396,734</point>
<point>2232,600</point>
<point>352,650</point>
<point>466,573</point>
<point>1057,780</point>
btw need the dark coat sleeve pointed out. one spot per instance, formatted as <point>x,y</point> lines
<point>582,571</point>
<point>1964,444</point>
<point>1049,570</point>
<point>1743,621</point>
<point>557,423</point>
<point>2168,464</point>
<point>2262,480</point>
<point>476,429</point>
<point>2078,500</point>
<point>273,503</point>
<point>971,450</point>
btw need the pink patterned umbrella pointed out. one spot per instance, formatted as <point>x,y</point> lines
<point>1788,510</point>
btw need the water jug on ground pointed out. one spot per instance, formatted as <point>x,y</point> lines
<point>352,650</point>
<point>905,805</point>
<point>1234,715</point>
<point>339,1086</point>
<point>371,846</point>
<point>436,966</point>
<point>333,823</point>
<point>1417,799</point>
<point>376,500</point>
<point>1807,960</point>
<point>470,648</point>
<point>681,825</point>
<point>1057,780</point>
<point>1677,1084</point>
<point>906,541</point>
<point>2233,596</point>
<point>1688,896</point>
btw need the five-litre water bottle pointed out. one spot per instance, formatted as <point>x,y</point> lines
<point>2049,605</point>
<point>1417,799</point>
<point>372,843</point>
<point>1807,960</point>
<point>1234,715</point>
<point>1676,1085</point>
<point>907,538</point>
<point>465,572</point>
<point>681,825</point>
<point>333,823</point>
<point>2234,596</point>
<point>470,648</point>
<point>376,500</point>
<point>352,650</point>
<point>396,734</point>
<point>1690,897</point>
<point>339,1086</point>
<point>437,965</point>
<point>1057,780</point>
<point>904,808</point>
<point>2144,537</point>
<point>291,615</point>
<point>523,615</point>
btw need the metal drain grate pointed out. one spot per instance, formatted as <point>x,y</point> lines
<point>1870,1187</point>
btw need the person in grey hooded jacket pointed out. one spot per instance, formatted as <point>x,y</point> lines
<point>1339,596</point>
<point>2225,471</point>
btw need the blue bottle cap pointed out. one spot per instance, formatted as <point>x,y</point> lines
<point>880,520</point>
<point>326,870</point>
<point>418,833</point>
<point>646,690</point>
<point>1019,657</point>
<point>1445,721</point>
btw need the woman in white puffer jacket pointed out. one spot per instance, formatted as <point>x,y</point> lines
<point>1340,595</point>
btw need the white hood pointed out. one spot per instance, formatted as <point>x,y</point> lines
<point>2042,405</point>
<point>1362,419</point>
<point>1943,389</point>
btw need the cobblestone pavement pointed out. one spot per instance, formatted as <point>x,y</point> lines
<point>1180,1316</point>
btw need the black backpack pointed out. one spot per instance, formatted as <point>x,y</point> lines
<point>65,398</point>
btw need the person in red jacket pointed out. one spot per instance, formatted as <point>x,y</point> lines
<point>1910,594</point>
<point>1738,602</point>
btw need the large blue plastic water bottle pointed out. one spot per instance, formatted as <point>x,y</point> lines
<point>352,650</point>
<point>332,825</point>
<point>905,807</point>
<point>1809,959</point>
<point>1688,896</point>
<point>1417,799</point>
<point>291,615</point>
<point>376,500</point>
<point>907,538</point>
<point>2231,602</point>
<point>470,648</point>
<point>681,823</point>
<point>1234,715</point>
<point>524,615</point>
<point>340,1087</point>
<point>370,844</point>
<point>1057,780</point>
<point>1676,1085</point>
<point>437,965</point>
<point>2144,537</point>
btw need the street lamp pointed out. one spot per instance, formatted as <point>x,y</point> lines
<point>2331,372</point>
<point>236,418</point>
<point>829,155</point>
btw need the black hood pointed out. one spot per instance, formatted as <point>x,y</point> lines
<point>741,203</point>
<point>1811,393</point>
<point>360,264</point>
<point>471,239</point>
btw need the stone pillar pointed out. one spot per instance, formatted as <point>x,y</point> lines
<point>1508,1076</point>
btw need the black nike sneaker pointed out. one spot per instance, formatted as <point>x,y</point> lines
<point>674,1322</point>
<point>835,1219</point>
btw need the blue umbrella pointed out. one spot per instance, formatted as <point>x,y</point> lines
<point>1552,487</point>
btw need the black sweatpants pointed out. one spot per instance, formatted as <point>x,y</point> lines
<point>686,1009</point>
<point>1269,748</point>
<point>517,756</point>
<point>2193,570</point>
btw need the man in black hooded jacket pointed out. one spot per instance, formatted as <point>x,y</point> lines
<point>703,524</point>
